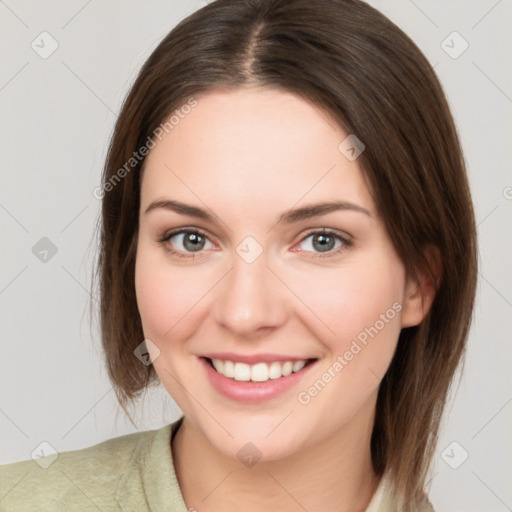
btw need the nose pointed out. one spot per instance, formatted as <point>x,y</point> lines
<point>251,301</point>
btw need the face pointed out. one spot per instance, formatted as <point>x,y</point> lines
<point>260,252</point>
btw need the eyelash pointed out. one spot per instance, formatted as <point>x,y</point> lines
<point>167,236</point>
<point>346,242</point>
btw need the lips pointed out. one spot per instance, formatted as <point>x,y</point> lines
<point>266,376</point>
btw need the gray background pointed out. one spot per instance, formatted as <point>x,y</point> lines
<point>57,114</point>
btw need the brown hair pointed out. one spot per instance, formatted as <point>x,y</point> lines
<point>353,62</point>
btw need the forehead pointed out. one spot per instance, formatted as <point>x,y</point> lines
<point>253,143</point>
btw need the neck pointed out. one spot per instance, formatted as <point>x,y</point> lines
<point>333,475</point>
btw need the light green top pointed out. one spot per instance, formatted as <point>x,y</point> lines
<point>134,472</point>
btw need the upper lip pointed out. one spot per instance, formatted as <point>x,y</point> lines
<point>253,358</point>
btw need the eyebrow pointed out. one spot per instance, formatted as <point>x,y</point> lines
<point>287,217</point>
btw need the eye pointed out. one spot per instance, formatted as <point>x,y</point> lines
<point>324,242</point>
<point>185,242</point>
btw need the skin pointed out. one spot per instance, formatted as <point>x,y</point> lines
<point>246,156</point>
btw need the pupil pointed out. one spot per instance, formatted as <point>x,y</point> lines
<point>193,241</point>
<point>326,243</point>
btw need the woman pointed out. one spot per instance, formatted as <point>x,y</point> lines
<point>306,152</point>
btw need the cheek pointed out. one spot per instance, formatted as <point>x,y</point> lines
<point>361,301</point>
<point>360,324</point>
<point>166,294</point>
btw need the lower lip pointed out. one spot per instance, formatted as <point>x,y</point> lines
<point>253,392</point>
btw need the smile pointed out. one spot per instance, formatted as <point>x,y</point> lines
<point>259,372</point>
<point>258,378</point>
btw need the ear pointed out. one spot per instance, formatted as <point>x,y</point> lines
<point>420,292</point>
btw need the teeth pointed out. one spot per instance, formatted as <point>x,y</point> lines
<point>260,372</point>
<point>229,368</point>
<point>298,365</point>
<point>274,371</point>
<point>287,368</point>
<point>242,371</point>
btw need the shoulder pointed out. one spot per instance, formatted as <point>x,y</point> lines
<point>385,499</point>
<point>85,479</point>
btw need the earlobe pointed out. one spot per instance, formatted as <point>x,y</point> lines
<point>420,292</point>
